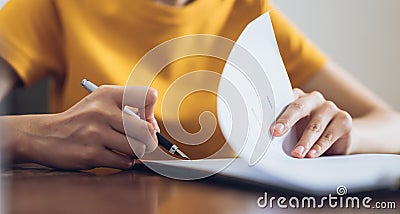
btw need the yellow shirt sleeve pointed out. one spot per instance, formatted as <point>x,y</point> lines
<point>31,42</point>
<point>302,59</point>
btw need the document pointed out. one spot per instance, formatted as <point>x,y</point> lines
<point>253,91</point>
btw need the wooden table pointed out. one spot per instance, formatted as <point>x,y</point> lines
<point>40,190</point>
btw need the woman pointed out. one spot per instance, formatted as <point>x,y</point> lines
<point>103,40</point>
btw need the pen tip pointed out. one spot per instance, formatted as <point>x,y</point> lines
<point>181,154</point>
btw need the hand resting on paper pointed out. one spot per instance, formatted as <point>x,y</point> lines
<point>327,127</point>
<point>321,126</point>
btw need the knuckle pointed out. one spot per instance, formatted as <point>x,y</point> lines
<point>149,127</point>
<point>307,145</point>
<point>298,90</point>
<point>347,123</point>
<point>92,132</point>
<point>323,145</point>
<point>318,147</point>
<point>97,110</point>
<point>298,105</point>
<point>89,156</point>
<point>344,116</point>
<point>139,150</point>
<point>326,138</point>
<point>98,95</point>
<point>115,115</point>
<point>94,109</point>
<point>330,105</point>
<point>318,95</point>
<point>315,126</point>
<point>152,95</point>
<point>100,91</point>
<point>104,89</point>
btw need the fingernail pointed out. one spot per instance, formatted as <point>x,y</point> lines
<point>156,127</point>
<point>279,128</point>
<point>155,124</point>
<point>313,152</point>
<point>299,150</point>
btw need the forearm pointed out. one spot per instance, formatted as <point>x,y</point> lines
<point>19,138</point>
<point>377,132</point>
<point>8,80</point>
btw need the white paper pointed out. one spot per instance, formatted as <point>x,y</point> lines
<point>275,167</point>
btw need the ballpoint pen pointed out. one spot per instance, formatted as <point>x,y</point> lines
<point>164,142</point>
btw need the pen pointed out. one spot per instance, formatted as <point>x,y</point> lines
<point>164,142</point>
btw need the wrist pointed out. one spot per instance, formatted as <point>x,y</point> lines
<point>16,144</point>
<point>355,141</point>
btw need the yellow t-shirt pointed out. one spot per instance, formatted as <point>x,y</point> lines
<point>102,40</point>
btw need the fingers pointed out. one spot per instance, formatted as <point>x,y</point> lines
<point>115,119</point>
<point>148,115</point>
<point>149,109</point>
<point>119,142</point>
<point>145,99</point>
<point>140,130</point>
<point>113,160</point>
<point>135,96</point>
<point>128,146</point>
<point>314,129</point>
<point>138,147</point>
<point>340,126</point>
<point>320,122</point>
<point>95,128</point>
<point>297,110</point>
<point>298,93</point>
<point>141,97</point>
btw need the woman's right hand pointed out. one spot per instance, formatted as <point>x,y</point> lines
<point>90,134</point>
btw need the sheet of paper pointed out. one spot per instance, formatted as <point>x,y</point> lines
<point>359,172</point>
<point>256,89</point>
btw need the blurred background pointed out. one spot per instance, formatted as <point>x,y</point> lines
<point>360,35</point>
<point>25,101</point>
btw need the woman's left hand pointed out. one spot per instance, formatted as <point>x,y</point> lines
<point>322,128</point>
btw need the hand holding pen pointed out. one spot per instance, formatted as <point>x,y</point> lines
<point>89,134</point>
<point>170,147</point>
